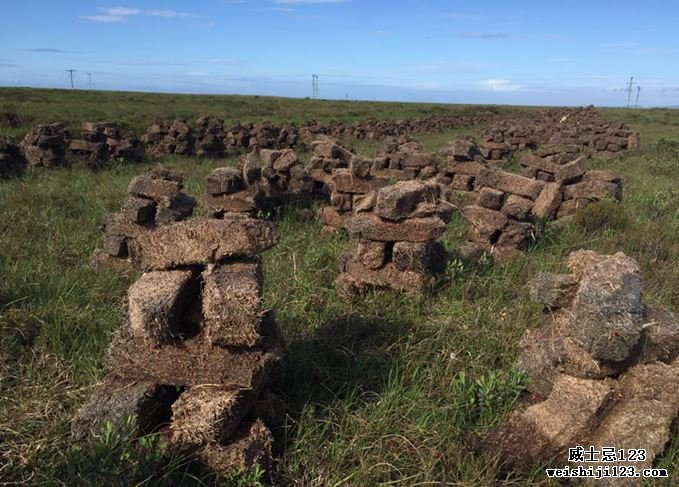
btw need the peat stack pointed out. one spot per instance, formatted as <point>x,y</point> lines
<point>153,199</point>
<point>402,158</point>
<point>354,188</point>
<point>458,172</point>
<point>578,185</point>
<point>165,138</point>
<point>264,135</point>
<point>123,145</point>
<point>261,180</point>
<point>45,146</point>
<point>397,229</point>
<point>503,220</point>
<point>561,134</point>
<point>210,137</point>
<point>327,154</point>
<point>228,193</point>
<point>602,369</point>
<point>238,137</point>
<point>194,354</point>
<point>283,176</point>
<point>101,141</point>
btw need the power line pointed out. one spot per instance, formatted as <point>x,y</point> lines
<point>314,86</point>
<point>636,104</point>
<point>89,78</point>
<point>629,91</point>
<point>71,71</point>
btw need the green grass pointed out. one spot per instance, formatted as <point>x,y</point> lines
<point>392,390</point>
<point>20,108</point>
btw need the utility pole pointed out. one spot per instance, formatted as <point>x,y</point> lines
<point>636,104</point>
<point>89,80</point>
<point>71,71</point>
<point>629,91</point>
<point>314,86</point>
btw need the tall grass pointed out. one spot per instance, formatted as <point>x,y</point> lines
<point>392,390</point>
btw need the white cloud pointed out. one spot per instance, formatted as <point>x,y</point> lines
<point>104,18</point>
<point>167,14</point>
<point>496,84</point>
<point>123,14</point>
<point>121,11</point>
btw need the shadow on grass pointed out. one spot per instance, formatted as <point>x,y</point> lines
<point>18,332</point>
<point>349,356</point>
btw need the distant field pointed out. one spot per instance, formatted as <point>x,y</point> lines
<point>22,107</point>
<point>392,390</point>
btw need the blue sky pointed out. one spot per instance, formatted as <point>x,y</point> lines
<point>459,51</point>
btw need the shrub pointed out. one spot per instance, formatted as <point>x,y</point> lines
<point>663,165</point>
<point>12,119</point>
<point>484,400</point>
<point>661,203</point>
<point>602,215</point>
<point>668,145</point>
<point>119,457</point>
<point>513,164</point>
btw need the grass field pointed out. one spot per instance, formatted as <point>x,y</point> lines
<point>22,107</point>
<point>392,390</point>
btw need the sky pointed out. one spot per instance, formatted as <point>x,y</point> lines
<point>546,52</point>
